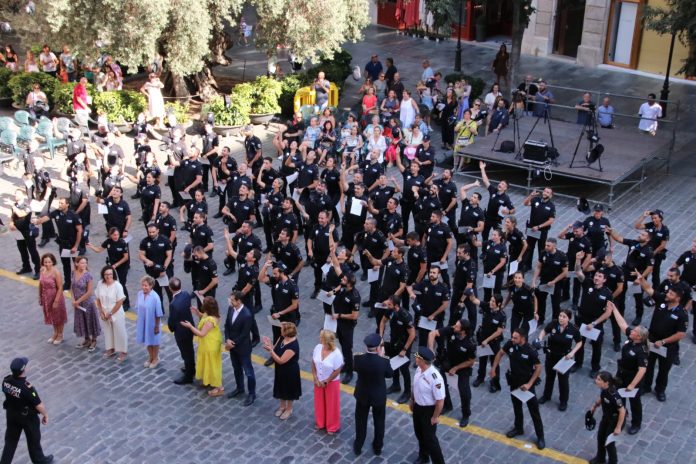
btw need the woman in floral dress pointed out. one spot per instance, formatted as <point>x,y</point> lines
<point>51,298</point>
<point>86,314</point>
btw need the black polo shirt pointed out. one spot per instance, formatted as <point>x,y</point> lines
<point>210,141</point>
<point>495,202</point>
<point>559,341</point>
<point>166,225</point>
<point>666,285</point>
<point>20,396</point>
<point>492,254</point>
<point>424,206</point>
<point>191,170</point>
<point>639,257</point>
<point>247,275</point>
<point>426,154</point>
<point>156,251</point>
<point>353,219</point>
<point>594,302</point>
<point>431,296</point>
<point>389,223</point>
<point>523,362</point>
<point>332,279</point>
<point>308,173</point>
<point>268,176</point>
<point>118,213</point>
<point>611,402</point>
<point>595,231</point>
<point>688,260</point>
<point>394,275</point>
<point>201,236</point>
<point>515,240</point>
<point>235,183</point>
<point>666,322</point>
<point>415,257</point>
<point>67,227</point>
<point>320,241</point>
<point>380,196</point>
<point>345,302</point>
<point>374,242</point>
<point>77,195</point>
<point>284,221</point>
<point>576,245</point>
<point>230,164</point>
<point>332,179</point>
<point>470,215</point>
<point>541,211</point>
<point>289,255</point>
<point>399,323</point>
<point>241,209</point>
<point>633,357</point>
<point>657,236</point>
<point>491,321</point>
<point>371,172</point>
<point>436,241</point>
<point>319,202</point>
<point>205,271</point>
<point>552,265</point>
<point>464,273</point>
<point>411,181</point>
<point>245,243</point>
<point>447,192</point>
<point>115,251</point>
<point>459,349</point>
<point>252,145</point>
<point>614,276</point>
<point>522,300</point>
<point>283,293</point>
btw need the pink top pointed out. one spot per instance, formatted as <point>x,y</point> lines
<point>79,92</point>
<point>370,102</point>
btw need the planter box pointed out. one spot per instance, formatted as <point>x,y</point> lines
<point>226,131</point>
<point>259,119</point>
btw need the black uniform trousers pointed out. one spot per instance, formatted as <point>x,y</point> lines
<point>426,434</point>
<point>122,274</point>
<point>344,332</point>
<point>551,374</point>
<point>664,366</point>
<point>188,355</point>
<point>606,428</point>
<point>30,424</point>
<point>488,292</point>
<point>577,287</point>
<point>483,362</point>
<point>540,244</point>
<point>533,406</point>
<point>518,319</point>
<point>319,261</point>
<point>638,298</point>
<point>596,351</point>
<point>67,267</point>
<point>464,387</point>
<point>555,303</point>
<point>362,411</point>
<point>27,249</point>
<point>406,209</point>
<point>636,404</point>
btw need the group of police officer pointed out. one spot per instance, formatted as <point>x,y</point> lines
<point>410,287</point>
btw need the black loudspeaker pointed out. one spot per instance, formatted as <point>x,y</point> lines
<point>507,146</point>
<point>535,152</point>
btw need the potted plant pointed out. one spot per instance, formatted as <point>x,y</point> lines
<point>265,100</point>
<point>228,116</point>
<point>120,106</point>
<point>21,83</point>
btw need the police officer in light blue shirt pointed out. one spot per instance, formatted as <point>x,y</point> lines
<point>605,114</point>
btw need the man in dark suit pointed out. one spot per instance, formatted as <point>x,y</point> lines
<point>179,311</point>
<point>238,342</point>
<point>371,392</point>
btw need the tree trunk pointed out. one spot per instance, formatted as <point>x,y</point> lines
<point>219,44</point>
<point>516,49</point>
<point>202,84</point>
<point>205,84</point>
<point>175,85</point>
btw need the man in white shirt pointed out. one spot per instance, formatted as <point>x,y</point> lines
<point>427,71</point>
<point>649,113</point>
<point>48,61</point>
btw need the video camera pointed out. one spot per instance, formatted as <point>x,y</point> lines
<point>483,114</point>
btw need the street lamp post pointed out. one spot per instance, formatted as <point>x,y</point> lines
<point>664,94</point>
<point>458,53</point>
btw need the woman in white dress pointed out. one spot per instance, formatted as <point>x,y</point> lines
<point>153,90</point>
<point>110,298</point>
<point>408,110</point>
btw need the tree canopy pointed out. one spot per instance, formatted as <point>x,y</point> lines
<point>678,17</point>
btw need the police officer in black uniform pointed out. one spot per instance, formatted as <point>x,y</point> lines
<point>346,307</point>
<point>42,190</point>
<point>541,216</point>
<point>489,333</point>
<point>317,202</point>
<point>388,219</point>
<point>285,295</point>
<point>562,343</point>
<point>223,168</point>
<point>632,366</point>
<point>596,228</point>
<point>517,245</point>
<point>524,302</point>
<point>21,222</point>
<point>613,416</point>
<point>372,170</point>
<point>615,282</point>
<point>577,242</point>
<point>204,274</point>
<point>432,297</point>
<point>524,372</point>
<point>118,258</point>
<point>427,201</point>
<point>464,279</point>
<point>211,143</point>
<point>288,253</point>
<point>659,238</point>
<point>447,193</point>
<point>22,409</point>
<point>550,271</point>
<point>412,178</point>
<point>239,209</point>
<point>371,392</point>
<point>458,359</point>
<point>425,157</point>
<point>119,213</point>
<point>156,255</point>
<point>471,218</point>
<point>238,246</point>
<point>247,283</point>
<point>318,248</point>
<point>166,224</point>
<point>192,172</point>
<point>494,261</point>
<point>667,328</point>
<point>252,148</point>
<point>380,195</point>
<point>201,234</point>
<point>416,261</point>
<point>640,258</point>
<point>69,227</point>
<point>438,243</point>
<point>176,152</point>
<point>352,224</point>
<point>499,203</point>
<point>372,241</point>
<point>594,310</point>
<point>688,275</point>
<point>394,273</point>
<point>401,337</point>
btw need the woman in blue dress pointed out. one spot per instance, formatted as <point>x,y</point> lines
<point>147,329</point>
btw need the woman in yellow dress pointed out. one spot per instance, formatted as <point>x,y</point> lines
<point>209,356</point>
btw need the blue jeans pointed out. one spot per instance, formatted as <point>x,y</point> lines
<point>241,363</point>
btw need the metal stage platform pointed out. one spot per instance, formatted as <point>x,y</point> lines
<point>628,153</point>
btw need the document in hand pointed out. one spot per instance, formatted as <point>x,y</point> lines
<point>330,323</point>
<point>488,282</point>
<point>563,365</point>
<point>163,281</point>
<point>513,267</point>
<point>587,333</point>
<point>398,361</point>
<point>372,275</point>
<point>324,297</point>
<point>627,394</point>
<point>102,209</point>
<point>484,351</point>
<point>523,396</point>
<point>661,351</point>
<point>273,322</point>
<point>424,323</point>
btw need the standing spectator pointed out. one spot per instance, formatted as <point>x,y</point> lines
<point>605,114</point>
<point>327,362</point>
<point>20,222</point>
<point>11,58</point>
<point>147,329</point>
<point>501,65</point>
<point>30,64</point>
<point>373,68</point>
<point>51,298</point>
<point>408,109</point>
<point>428,72</point>
<point>81,99</point>
<point>322,87</point>
<point>109,300</point>
<point>543,99</point>
<point>152,89</point>
<point>287,385</point>
<point>649,113</point>
<point>390,72</point>
<point>180,311</point>
<point>448,119</point>
<point>209,356</point>
<point>584,107</point>
<point>86,315</point>
<point>68,63</point>
<point>491,97</point>
<point>48,61</point>
<point>238,325</point>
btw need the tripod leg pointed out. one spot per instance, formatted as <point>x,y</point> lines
<point>496,141</point>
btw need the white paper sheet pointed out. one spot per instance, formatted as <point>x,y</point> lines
<point>571,274</point>
<point>296,195</point>
<point>500,211</point>
<point>204,160</point>
<point>36,206</point>
<point>533,325</point>
<point>424,323</point>
<point>82,309</point>
<point>292,178</point>
<point>523,396</point>
<point>163,281</point>
<point>514,265</point>
<point>380,306</point>
<point>661,351</point>
<point>462,229</point>
<point>324,297</point>
<point>65,253</point>
<point>443,266</point>
<point>185,195</point>
<point>273,322</point>
<point>128,238</point>
<point>356,207</point>
<point>330,323</point>
<point>627,394</point>
<point>169,172</point>
<point>587,333</point>
<point>28,183</point>
<point>398,361</point>
<point>634,289</point>
<point>611,439</point>
<point>325,268</point>
<point>17,235</point>
<point>102,209</point>
<point>249,172</point>
<point>534,233</point>
<point>484,351</point>
<point>488,282</point>
<point>563,365</point>
<point>445,219</point>
<point>372,275</point>
<point>390,245</point>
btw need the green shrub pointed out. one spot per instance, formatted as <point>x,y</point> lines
<point>5,75</point>
<point>233,115</point>
<point>21,84</point>
<point>266,94</point>
<point>477,85</point>
<point>289,87</point>
<point>63,96</point>
<point>120,105</point>
<point>180,111</point>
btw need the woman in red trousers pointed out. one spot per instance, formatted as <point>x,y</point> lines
<point>327,362</point>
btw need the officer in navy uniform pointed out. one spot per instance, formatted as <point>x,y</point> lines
<point>204,274</point>
<point>425,156</point>
<point>394,272</point>
<point>447,193</point>
<point>238,246</point>
<point>615,282</point>
<point>380,195</point>
<point>688,275</point>
<point>252,148</point>
<point>459,359</point>
<point>524,304</point>
<point>659,238</point>
<point>667,328</point>
<point>427,201</point>
<point>489,333</point>
<point>427,401</point>
<point>438,243</point>
<point>239,209</point>
<point>370,242</point>
<point>119,213</point>
<point>524,372</point>
<point>594,311</point>
<point>494,261</point>
<point>401,337</point>
<point>166,224</point>
<point>632,366</point>
<point>371,392</point>
<point>577,242</point>
<point>286,252</point>
<point>596,228</point>
<point>499,203</point>
<point>517,245</point>
<point>541,216</point>
<point>346,307</point>
<point>22,407</point>
<point>550,270</point>
<point>470,218</point>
